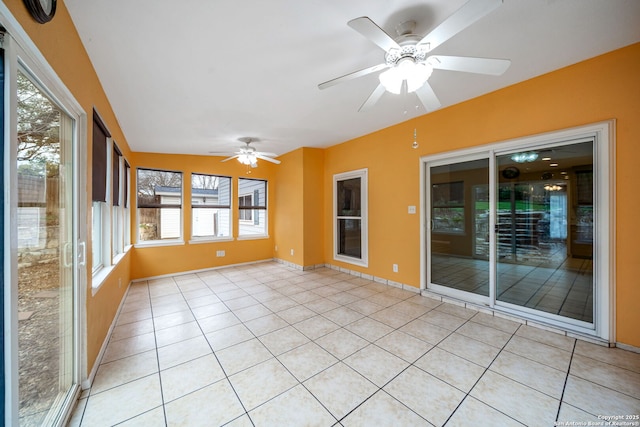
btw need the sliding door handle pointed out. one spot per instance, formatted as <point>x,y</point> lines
<point>82,254</point>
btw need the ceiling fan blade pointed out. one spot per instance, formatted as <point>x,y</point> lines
<point>462,18</point>
<point>352,76</point>
<point>373,32</point>
<point>373,98</point>
<point>230,158</point>
<point>263,153</point>
<point>494,67</point>
<point>428,97</point>
<point>268,159</point>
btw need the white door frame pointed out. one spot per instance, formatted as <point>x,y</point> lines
<point>22,53</point>
<point>603,134</point>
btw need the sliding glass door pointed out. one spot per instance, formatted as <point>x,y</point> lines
<point>514,228</point>
<point>45,260</point>
<point>459,238</point>
<point>45,254</point>
<point>544,228</point>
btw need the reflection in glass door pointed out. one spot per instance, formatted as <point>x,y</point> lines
<point>459,218</point>
<point>544,230</point>
<point>45,255</point>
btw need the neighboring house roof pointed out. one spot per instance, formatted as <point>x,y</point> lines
<point>169,191</point>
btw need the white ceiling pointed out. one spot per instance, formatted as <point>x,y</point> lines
<point>193,76</point>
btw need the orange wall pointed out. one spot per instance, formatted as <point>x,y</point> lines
<point>161,260</point>
<point>299,225</point>
<point>59,43</point>
<point>313,166</point>
<point>603,88</point>
<point>289,233</point>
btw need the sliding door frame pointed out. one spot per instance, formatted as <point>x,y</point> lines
<point>21,54</point>
<point>603,134</point>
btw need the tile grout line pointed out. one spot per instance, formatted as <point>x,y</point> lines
<point>467,394</point>
<point>226,376</point>
<point>566,378</point>
<point>155,340</point>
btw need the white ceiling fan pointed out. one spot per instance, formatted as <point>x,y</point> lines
<point>407,61</point>
<point>248,155</point>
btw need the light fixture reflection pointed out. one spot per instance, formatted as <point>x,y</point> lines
<point>553,187</point>
<point>529,156</point>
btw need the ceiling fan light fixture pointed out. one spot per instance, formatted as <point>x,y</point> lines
<point>416,75</point>
<point>247,159</point>
<point>391,80</point>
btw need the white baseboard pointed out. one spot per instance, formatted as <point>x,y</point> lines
<point>86,384</point>
<point>201,270</point>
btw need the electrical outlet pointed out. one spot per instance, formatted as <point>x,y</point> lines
<point>291,252</point>
<point>276,248</point>
<point>220,253</point>
<point>395,268</point>
<point>411,209</point>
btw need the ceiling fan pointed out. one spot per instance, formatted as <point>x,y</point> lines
<point>248,155</point>
<point>407,61</point>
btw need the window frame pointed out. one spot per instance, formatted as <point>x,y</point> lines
<point>112,243</point>
<point>450,205</point>
<point>100,237</point>
<point>119,211</point>
<point>219,206</point>
<point>251,208</point>
<point>362,174</point>
<point>161,242</point>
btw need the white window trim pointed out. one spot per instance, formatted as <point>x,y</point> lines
<point>364,214</point>
<point>209,239</point>
<point>164,242</point>
<point>265,235</point>
<point>108,212</point>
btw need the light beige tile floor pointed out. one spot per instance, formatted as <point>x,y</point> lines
<point>267,345</point>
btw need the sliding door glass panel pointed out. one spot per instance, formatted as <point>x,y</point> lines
<point>45,255</point>
<point>459,212</point>
<point>544,230</point>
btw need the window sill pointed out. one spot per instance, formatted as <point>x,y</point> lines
<point>99,277</point>
<point>253,237</point>
<point>156,243</point>
<point>349,260</point>
<point>197,241</point>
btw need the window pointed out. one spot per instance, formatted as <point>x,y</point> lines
<point>448,206</point>
<point>210,206</point>
<point>100,219</point>
<point>127,205</point>
<point>243,201</point>
<point>252,206</point>
<point>109,209</point>
<point>117,182</point>
<point>350,217</point>
<point>159,205</point>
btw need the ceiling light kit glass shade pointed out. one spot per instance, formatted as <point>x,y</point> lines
<point>524,157</point>
<point>247,158</point>
<point>415,74</point>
